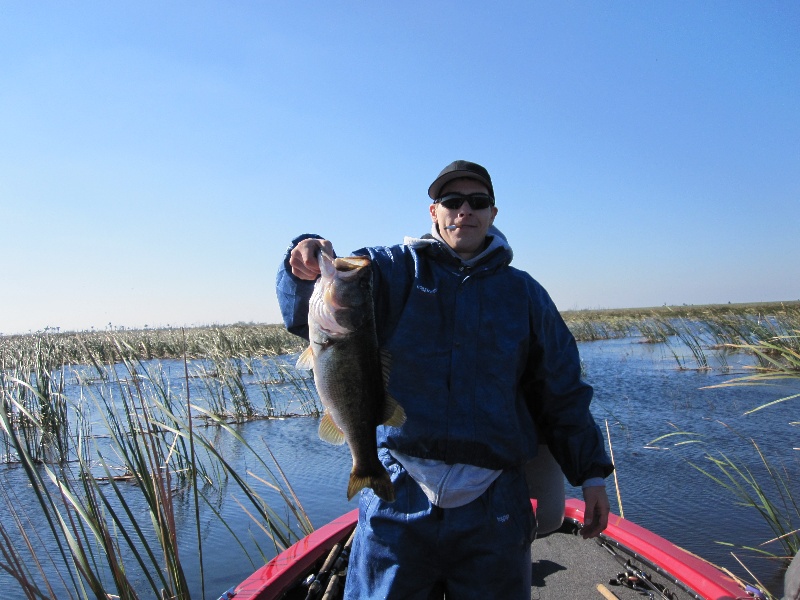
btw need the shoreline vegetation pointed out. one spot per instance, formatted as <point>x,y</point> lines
<point>163,436</point>
<point>743,323</point>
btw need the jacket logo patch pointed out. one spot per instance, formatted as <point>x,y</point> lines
<point>427,290</point>
<point>503,518</point>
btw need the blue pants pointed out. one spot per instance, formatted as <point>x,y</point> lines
<point>413,550</point>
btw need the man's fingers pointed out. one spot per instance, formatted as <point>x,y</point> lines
<point>301,266</point>
<point>303,259</point>
<point>593,527</point>
<point>596,513</point>
<point>598,524</point>
<point>589,522</point>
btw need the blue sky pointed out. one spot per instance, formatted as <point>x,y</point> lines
<point>157,157</point>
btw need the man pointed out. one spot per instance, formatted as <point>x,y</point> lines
<point>478,353</point>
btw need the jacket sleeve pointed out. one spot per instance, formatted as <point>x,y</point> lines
<point>558,398</point>
<point>294,293</point>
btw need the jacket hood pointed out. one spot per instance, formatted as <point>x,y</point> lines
<point>494,236</point>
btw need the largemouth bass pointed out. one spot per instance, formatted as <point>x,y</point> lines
<point>348,368</point>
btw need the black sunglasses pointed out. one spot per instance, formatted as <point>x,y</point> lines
<point>455,200</point>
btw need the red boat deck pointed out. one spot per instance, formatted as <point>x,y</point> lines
<point>565,565</point>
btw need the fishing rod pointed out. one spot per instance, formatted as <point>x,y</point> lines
<point>327,578</point>
<point>636,578</point>
<point>632,577</point>
<point>339,570</point>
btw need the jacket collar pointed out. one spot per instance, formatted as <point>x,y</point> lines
<point>495,238</point>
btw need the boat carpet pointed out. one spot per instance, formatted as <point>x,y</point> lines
<point>565,566</point>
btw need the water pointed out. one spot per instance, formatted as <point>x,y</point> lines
<point>642,395</point>
<point>639,392</point>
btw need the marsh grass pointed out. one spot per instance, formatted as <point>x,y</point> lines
<point>768,487</point>
<point>691,337</point>
<point>770,334</point>
<point>762,330</point>
<point>132,423</point>
<point>84,347</point>
<point>97,542</point>
<point>773,492</point>
<point>100,539</point>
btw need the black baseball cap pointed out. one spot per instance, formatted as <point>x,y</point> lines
<point>456,170</point>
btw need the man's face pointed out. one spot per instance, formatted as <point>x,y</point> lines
<point>468,225</point>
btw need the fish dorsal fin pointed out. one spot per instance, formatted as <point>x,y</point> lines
<point>393,413</point>
<point>306,360</point>
<point>386,365</point>
<point>330,432</point>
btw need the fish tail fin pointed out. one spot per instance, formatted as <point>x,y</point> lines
<point>380,484</point>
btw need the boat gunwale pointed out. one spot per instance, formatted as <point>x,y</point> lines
<point>695,574</point>
<point>275,578</point>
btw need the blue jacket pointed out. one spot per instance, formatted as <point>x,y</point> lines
<point>478,351</point>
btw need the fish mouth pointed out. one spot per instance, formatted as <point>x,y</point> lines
<point>350,268</point>
<point>351,263</point>
<point>345,268</point>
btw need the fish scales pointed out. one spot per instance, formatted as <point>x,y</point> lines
<point>348,368</point>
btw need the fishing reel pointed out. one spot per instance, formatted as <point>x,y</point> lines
<point>641,582</point>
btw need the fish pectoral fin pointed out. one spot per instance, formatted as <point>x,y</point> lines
<point>330,432</point>
<point>393,413</point>
<point>306,360</point>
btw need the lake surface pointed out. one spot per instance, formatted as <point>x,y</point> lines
<point>639,392</point>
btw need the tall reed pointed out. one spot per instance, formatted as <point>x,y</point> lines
<point>101,545</point>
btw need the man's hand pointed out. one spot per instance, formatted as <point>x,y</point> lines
<point>303,258</point>
<point>595,519</point>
